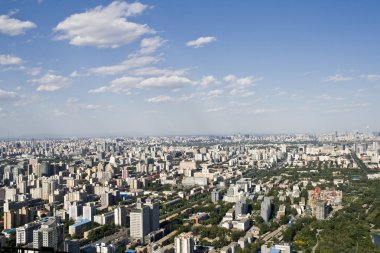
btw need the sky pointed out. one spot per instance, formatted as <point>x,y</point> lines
<point>123,68</point>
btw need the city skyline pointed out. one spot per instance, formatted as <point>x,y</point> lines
<point>108,68</point>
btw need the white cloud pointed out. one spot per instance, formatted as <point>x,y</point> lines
<point>339,110</point>
<point>159,99</point>
<point>51,82</point>
<point>8,95</point>
<point>328,97</point>
<point>200,42</point>
<point>215,109</point>
<point>133,61</point>
<point>12,26</point>
<point>165,82</point>
<point>150,45</point>
<point>120,85</point>
<point>370,77</point>
<point>103,27</point>
<point>74,102</point>
<point>338,78</point>
<point>6,59</point>
<point>247,81</point>
<point>208,80</point>
<point>58,113</point>
<point>153,71</point>
<point>261,111</point>
<point>348,107</point>
<point>240,86</point>
<point>209,95</point>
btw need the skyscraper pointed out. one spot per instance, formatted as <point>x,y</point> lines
<point>154,214</point>
<point>144,219</point>
<point>139,222</point>
<point>120,216</point>
<point>215,195</point>
<point>49,235</point>
<point>321,211</point>
<point>266,209</point>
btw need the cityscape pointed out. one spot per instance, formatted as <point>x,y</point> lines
<point>189,126</point>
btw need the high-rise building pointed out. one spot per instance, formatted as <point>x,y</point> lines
<point>320,211</point>
<point>139,221</point>
<point>75,210</point>
<point>184,243</point>
<point>215,195</point>
<point>154,214</point>
<point>241,207</point>
<point>49,235</point>
<point>89,211</point>
<point>120,216</point>
<point>24,234</point>
<point>266,209</point>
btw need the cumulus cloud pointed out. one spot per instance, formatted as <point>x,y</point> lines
<point>328,97</point>
<point>208,80</point>
<point>154,71</point>
<point>159,99</point>
<point>74,102</point>
<point>215,109</point>
<point>127,83</point>
<point>6,59</point>
<point>165,82</point>
<point>13,27</point>
<point>150,45</point>
<point>370,77</point>
<point>200,42</point>
<point>59,113</point>
<point>51,82</point>
<point>120,85</point>
<point>263,110</point>
<point>8,95</point>
<point>104,26</point>
<point>240,86</point>
<point>337,78</point>
<point>133,61</point>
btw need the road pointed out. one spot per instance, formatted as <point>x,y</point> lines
<point>316,236</point>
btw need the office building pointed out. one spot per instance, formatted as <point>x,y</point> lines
<point>24,234</point>
<point>321,210</point>
<point>120,216</point>
<point>215,195</point>
<point>266,209</point>
<point>140,221</point>
<point>49,235</point>
<point>154,214</point>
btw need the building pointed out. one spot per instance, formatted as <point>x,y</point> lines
<point>79,227</point>
<point>24,234</point>
<point>89,211</point>
<point>321,210</point>
<point>184,243</point>
<point>241,207</point>
<point>266,209</point>
<point>104,248</point>
<point>144,219</point>
<point>215,195</point>
<point>120,216</point>
<point>139,221</point>
<point>154,214</point>
<point>49,235</point>
<point>75,210</point>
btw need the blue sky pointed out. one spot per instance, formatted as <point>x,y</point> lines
<point>85,68</point>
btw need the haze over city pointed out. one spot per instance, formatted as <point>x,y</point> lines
<point>188,67</point>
